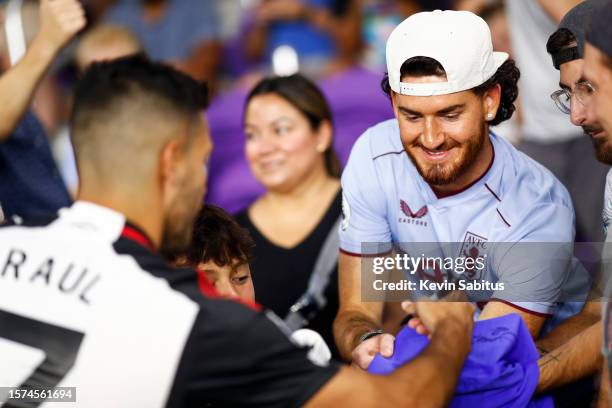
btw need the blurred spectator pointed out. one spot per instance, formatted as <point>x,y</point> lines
<point>31,185</point>
<point>102,42</point>
<point>105,42</point>
<point>294,224</point>
<point>494,13</point>
<point>182,32</point>
<point>382,16</point>
<point>318,30</point>
<point>356,102</point>
<point>547,135</point>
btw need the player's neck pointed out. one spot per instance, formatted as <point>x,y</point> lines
<point>479,168</point>
<point>130,206</point>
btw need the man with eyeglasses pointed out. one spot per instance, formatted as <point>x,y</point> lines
<point>598,70</point>
<point>546,135</point>
<point>571,351</point>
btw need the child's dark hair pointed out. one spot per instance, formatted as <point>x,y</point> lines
<point>217,237</point>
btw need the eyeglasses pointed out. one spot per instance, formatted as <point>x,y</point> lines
<point>583,91</point>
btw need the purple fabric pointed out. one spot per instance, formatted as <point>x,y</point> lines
<point>500,371</point>
<point>356,101</point>
<point>231,184</point>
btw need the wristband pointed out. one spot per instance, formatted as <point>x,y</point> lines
<point>369,335</point>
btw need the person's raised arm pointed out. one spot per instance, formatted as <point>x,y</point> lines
<point>427,381</point>
<point>356,318</point>
<point>60,20</point>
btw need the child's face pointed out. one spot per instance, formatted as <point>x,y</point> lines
<point>232,280</point>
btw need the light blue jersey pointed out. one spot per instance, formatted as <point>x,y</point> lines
<point>386,201</point>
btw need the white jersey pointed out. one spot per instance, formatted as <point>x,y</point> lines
<point>86,302</point>
<point>387,202</point>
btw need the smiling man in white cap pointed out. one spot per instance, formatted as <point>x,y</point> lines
<point>437,174</point>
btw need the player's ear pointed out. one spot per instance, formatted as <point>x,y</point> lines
<point>170,169</point>
<point>491,100</point>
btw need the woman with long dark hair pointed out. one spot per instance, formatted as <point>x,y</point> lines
<point>289,134</point>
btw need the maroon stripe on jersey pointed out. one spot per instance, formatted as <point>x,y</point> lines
<point>492,192</point>
<point>133,233</point>
<point>522,309</point>
<point>364,255</point>
<point>385,154</point>
<point>503,219</point>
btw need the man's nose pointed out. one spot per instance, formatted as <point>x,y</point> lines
<point>432,136</point>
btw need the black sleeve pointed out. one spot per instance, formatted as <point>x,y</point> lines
<point>237,357</point>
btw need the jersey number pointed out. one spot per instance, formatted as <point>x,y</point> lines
<point>59,345</point>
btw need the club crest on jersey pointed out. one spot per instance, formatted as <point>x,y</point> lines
<point>474,247</point>
<point>412,217</point>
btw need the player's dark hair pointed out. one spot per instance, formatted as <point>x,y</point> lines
<point>559,40</point>
<point>507,76</point>
<point>217,237</point>
<point>306,97</point>
<point>106,83</point>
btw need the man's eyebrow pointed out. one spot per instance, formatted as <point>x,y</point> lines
<point>563,86</point>
<point>409,111</point>
<point>450,109</point>
<point>582,80</point>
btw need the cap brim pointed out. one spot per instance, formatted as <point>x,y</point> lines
<point>498,59</point>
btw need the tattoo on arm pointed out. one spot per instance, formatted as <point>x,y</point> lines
<point>550,358</point>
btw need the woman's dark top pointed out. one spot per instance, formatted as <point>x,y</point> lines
<point>281,275</point>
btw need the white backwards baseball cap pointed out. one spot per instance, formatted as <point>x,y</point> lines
<point>459,40</point>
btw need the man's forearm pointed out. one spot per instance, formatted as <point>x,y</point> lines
<point>568,329</point>
<point>18,84</point>
<point>575,359</point>
<point>348,327</point>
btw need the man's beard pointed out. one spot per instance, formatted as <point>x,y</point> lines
<point>178,224</point>
<point>603,150</point>
<point>439,174</point>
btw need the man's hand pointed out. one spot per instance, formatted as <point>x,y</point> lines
<point>364,353</point>
<point>429,314</point>
<point>60,21</point>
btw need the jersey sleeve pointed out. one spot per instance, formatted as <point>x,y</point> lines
<point>364,229</point>
<point>535,264</point>
<point>237,357</point>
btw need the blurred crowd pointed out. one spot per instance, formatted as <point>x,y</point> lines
<point>340,45</point>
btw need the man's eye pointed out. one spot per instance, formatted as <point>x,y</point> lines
<point>451,116</point>
<point>241,280</point>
